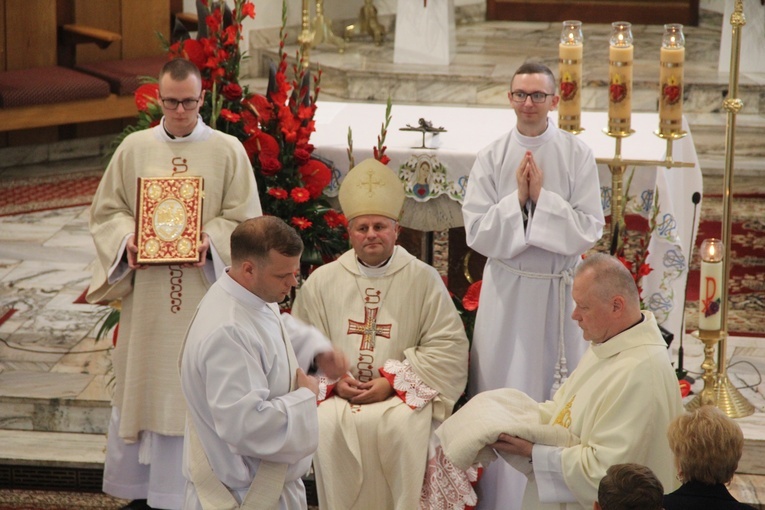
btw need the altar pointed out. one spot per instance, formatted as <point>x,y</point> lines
<point>435,177</point>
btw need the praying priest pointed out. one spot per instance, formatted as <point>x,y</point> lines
<point>392,316</point>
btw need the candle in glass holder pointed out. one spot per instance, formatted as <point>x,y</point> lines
<point>620,78</point>
<point>671,79</point>
<point>710,292</point>
<point>570,73</point>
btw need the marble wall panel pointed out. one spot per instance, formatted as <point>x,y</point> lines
<point>65,416</point>
<point>38,448</point>
<point>11,157</point>
<point>16,414</point>
<point>433,92</point>
<point>370,88</point>
<point>493,94</point>
<point>77,148</point>
<point>29,384</point>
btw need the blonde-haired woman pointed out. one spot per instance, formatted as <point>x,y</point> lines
<point>707,446</point>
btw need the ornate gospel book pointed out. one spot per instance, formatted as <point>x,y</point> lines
<point>169,222</point>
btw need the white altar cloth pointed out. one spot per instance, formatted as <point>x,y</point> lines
<point>435,179</point>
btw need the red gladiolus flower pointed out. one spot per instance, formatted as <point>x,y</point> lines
<point>334,219</point>
<point>300,195</point>
<point>300,222</point>
<point>232,91</point>
<point>229,36</point>
<point>278,193</point>
<point>470,299</point>
<point>229,115</point>
<point>644,269</point>
<point>248,10</point>
<point>145,94</point>
<point>316,176</point>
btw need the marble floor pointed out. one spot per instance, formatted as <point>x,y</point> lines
<point>54,375</point>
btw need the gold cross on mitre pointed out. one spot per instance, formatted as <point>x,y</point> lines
<point>370,182</point>
<point>369,329</point>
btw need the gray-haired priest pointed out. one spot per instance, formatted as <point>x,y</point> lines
<point>392,316</point>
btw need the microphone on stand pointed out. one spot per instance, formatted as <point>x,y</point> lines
<point>680,371</point>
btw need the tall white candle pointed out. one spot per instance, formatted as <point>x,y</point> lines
<point>710,292</point>
<point>672,56</point>
<point>620,55</point>
<point>570,52</point>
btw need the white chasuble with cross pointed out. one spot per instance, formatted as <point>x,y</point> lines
<point>373,456</point>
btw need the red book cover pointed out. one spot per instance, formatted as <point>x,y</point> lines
<point>169,222</point>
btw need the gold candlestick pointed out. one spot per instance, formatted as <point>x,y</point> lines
<point>729,399</point>
<point>708,395</point>
<point>322,29</point>
<point>306,36</point>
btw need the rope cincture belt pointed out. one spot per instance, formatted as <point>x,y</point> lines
<point>567,278</point>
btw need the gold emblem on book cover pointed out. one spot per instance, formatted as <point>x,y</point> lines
<point>169,223</point>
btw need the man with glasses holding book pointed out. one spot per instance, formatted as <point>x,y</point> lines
<point>532,207</point>
<point>145,439</point>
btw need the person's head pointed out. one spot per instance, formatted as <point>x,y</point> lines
<point>371,197</point>
<point>265,257</point>
<point>533,82</point>
<point>606,299</point>
<point>707,445</point>
<point>629,487</point>
<point>373,237</point>
<point>180,95</point>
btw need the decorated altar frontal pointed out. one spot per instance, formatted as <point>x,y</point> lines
<point>435,177</point>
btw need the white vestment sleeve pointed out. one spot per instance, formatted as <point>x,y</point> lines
<point>548,472</point>
<point>246,416</point>
<point>120,268</point>
<point>307,341</point>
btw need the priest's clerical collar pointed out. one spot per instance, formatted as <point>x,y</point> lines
<point>172,136</point>
<point>378,270</point>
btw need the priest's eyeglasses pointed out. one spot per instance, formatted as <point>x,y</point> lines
<point>172,104</point>
<point>518,96</point>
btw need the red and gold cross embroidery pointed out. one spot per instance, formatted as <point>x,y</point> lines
<point>369,329</point>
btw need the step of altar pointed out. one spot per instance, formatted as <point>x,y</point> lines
<point>71,461</point>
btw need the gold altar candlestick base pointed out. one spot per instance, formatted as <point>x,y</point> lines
<point>730,400</point>
<point>707,395</point>
<point>322,30</point>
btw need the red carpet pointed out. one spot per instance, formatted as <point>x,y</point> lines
<point>746,309</point>
<point>25,195</point>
